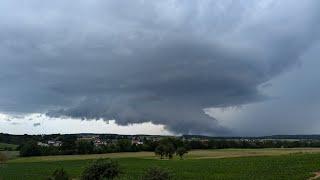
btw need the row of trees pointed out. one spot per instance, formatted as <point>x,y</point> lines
<point>77,147</point>
<point>70,145</point>
<point>251,143</point>
<point>166,147</point>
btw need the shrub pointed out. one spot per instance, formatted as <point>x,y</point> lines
<point>101,169</point>
<point>156,173</point>
<point>60,174</point>
<point>3,158</point>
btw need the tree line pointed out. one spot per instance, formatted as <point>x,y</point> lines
<point>166,147</point>
<point>72,145</point>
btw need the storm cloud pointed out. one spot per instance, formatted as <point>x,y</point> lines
<point>148,61</point>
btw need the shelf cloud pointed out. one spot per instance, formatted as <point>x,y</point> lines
<point>148,61</point>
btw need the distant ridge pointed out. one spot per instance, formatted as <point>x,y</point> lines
<point>298,136</point>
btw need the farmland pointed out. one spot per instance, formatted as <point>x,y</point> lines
<point>298,163</point>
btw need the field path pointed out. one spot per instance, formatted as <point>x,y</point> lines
<point>194,154</point>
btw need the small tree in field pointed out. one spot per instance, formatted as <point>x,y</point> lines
<point>181,151</point>
<point>160,150</point>
<point>166,148</point>
<point>169,151</point>
<point>101,169</point>
<point>3,158</point>
<point>156,173</point>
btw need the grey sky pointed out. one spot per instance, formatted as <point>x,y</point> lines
<point>162,62</point>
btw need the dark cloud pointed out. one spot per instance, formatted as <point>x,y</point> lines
<point>135,62</point>
<point>294,110</point>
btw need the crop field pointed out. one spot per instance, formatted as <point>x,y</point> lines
<point>200,164</point>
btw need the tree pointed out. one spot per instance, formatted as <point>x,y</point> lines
<point>169,150</point>
<point>30,149</point>
<point>124,145</point>
<point>85,147</point>
<point>166,148</point>
<point>181,151</point>
<point>149,145</point>
<point>156,173</point>
<point>160,150</point>
<point>3,158</point>
<point>68,145</point>
<point>101,169</point>
<point>59,174</point>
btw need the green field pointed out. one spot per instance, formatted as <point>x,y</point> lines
<point>3,146</point>
<point>201,164</point>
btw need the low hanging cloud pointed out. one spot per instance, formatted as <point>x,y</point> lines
<point>141,61</point>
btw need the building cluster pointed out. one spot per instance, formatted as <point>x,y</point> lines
<point>49,143</point>
<point>99,141</point>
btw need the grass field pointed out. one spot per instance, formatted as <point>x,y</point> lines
<point>202,164</point>
<point>5,145</point>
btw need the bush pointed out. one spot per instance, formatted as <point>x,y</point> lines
<point>156,173</point>
<point>101,169</point>
<point>60,174</point>
<point>3,158</point>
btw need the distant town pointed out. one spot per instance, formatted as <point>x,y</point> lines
<point>100,140</point>
<point>117,143</point>
<point>108,139</point>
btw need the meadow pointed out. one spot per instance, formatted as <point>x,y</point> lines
<point>298,163</point>
<point>4,146</point>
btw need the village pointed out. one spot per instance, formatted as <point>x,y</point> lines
<point>99,140</point>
